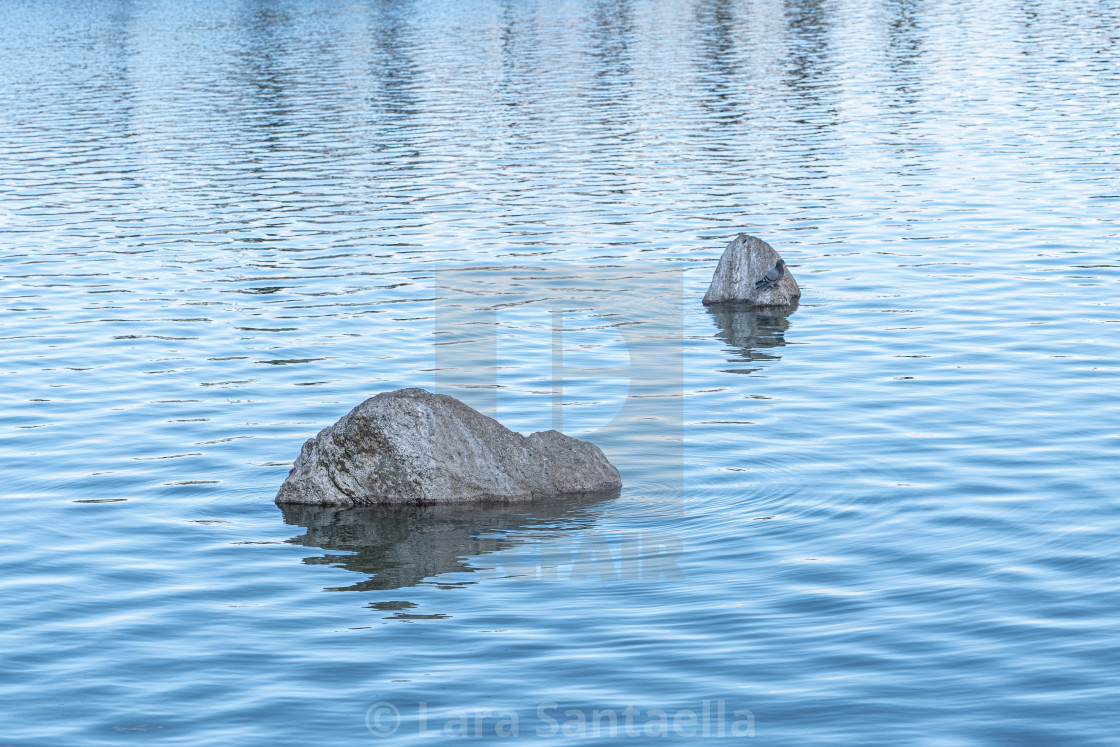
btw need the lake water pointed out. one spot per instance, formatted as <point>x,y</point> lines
<point>888,516</point>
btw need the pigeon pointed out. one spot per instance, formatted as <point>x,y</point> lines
<point>770,279</point>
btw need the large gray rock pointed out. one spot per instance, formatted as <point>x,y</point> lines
<point>745,262</point>
<point>412,446</point>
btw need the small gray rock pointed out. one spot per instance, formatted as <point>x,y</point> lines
<point>751,272</point>
<point>412,446</point>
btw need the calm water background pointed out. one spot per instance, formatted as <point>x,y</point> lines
<point>223,224</point>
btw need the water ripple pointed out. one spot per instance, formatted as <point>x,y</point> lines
<point>224,224</point>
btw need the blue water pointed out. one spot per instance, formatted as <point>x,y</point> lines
<point>888,516</point>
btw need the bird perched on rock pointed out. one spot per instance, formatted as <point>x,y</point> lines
<point>772,277</point>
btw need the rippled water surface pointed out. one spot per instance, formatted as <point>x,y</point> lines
<point>887,516</point>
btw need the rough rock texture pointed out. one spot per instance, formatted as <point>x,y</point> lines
<point>412,446</point>
<point>746,260</point>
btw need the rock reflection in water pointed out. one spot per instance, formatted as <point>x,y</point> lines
<point>400,546</point>
<point>753,333</point>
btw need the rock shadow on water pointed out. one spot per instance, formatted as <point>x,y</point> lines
<point>401,546</point>
<point>752,333</point>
